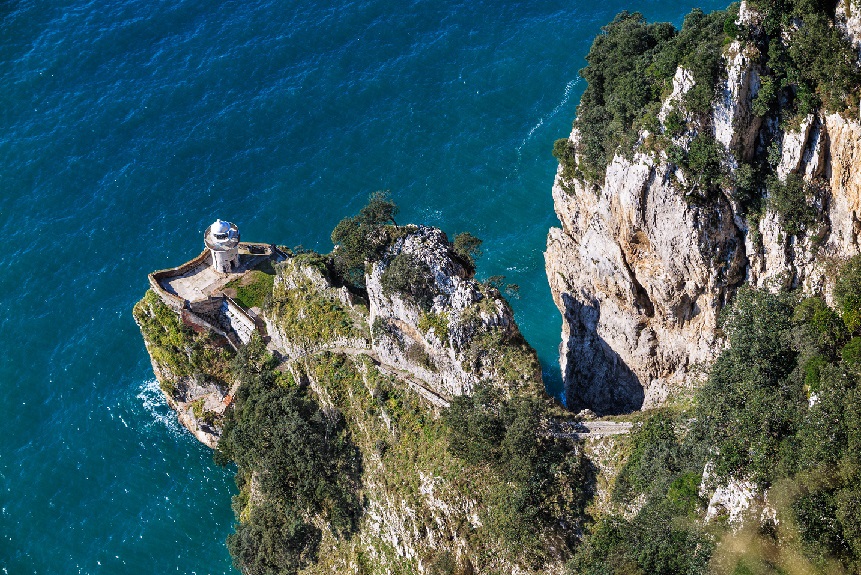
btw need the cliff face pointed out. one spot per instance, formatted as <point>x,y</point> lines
<point>424,316</point>
<point>192,368</point>
<point>640,269</point>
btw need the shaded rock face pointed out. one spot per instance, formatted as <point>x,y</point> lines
<point>640,273</point>
<point>639,276</point>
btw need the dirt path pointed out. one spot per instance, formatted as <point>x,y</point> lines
<point>573,429</point>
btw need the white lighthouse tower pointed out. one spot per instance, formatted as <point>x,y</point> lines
<point>222,240</point>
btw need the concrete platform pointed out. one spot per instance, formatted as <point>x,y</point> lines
<point>203,281</point>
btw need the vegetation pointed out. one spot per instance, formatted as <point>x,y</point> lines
<point>781,408</point>
<point>362,237</point>
<point>702,165</point>
<point>178,348</point>
<point>467,247</point>
<point>407,274</point>
<point>565,153</point>
<point>509,357</point>
<point>631,67</point>
<point>541,482</point>
<point>294,462</point>
<point>809,62</point>
<point>438,322</point>
<point>305,315</point>
<point>792,201</point>
<point>527,490</point>
<point>254,287</point>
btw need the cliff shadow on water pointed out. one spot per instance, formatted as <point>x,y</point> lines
<point>599,378</point>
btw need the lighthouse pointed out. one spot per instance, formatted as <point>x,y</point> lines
<point>222,240</point>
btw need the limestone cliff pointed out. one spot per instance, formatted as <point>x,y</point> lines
<point>457,333</point>
<point>191,367</point>
<point>642,266</point>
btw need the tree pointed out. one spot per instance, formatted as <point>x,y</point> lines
<point>295,465</point>
<point>362,237</point>
<point>407,274</point>
<point>467,247</point>
<point>847,293</point>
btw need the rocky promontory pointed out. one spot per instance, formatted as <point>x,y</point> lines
<point>405,373</point>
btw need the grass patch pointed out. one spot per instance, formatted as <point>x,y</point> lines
<point>307,317</point>
<point>438,322</point>
<point>253,287</point>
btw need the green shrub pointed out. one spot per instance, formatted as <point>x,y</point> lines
<point>467,247</point>
<point>703,166</point>
<point>176,347</point>
<point>847,293</point>
<point>655,459</point>
<point>301,462</point>
<point>749,408</point>
<point>408,275</point>
<point>566,154</point>
<point>438,322</point>
<point>308,317</point>
<point>792,202</point>
<point>540,481</point>
<point>631,66</point>
<point>851,353</point>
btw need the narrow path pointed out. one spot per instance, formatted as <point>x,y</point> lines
<point>570,430</point>
<point>591,429</point>
<point>417,385</point>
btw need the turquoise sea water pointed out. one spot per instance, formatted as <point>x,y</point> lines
<point>126,127</point>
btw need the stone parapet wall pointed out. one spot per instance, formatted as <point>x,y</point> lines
<point>219,314</point>
<point>155,278</point>
<point>240,322</point>
<point>199,324</point>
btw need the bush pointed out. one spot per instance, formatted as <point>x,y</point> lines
<point>655,460</point>
<point>703,165</point>
<point>438,322</point>
<point>792,202</point>
<point>541,481</point>
<point>749,408</point>
<point>407,274</point>
<point>809,61</point>
<point>847,293</point>
<point>631,66</point>
<point>566,154</point>
<point>300,464</point>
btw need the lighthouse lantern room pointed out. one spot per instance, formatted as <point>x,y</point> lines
<point>222,240</point>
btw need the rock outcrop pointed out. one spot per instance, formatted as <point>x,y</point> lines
<point>191,367</point>
<point>446,338</point>
<point>640,270</point>
<point>457,333</point>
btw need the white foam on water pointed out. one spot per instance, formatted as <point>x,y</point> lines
<point>153,401</point>
<point>565,97</point>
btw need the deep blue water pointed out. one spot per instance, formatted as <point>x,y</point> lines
<point>126,127</point>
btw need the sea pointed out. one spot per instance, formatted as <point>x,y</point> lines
<point>128,126</point>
